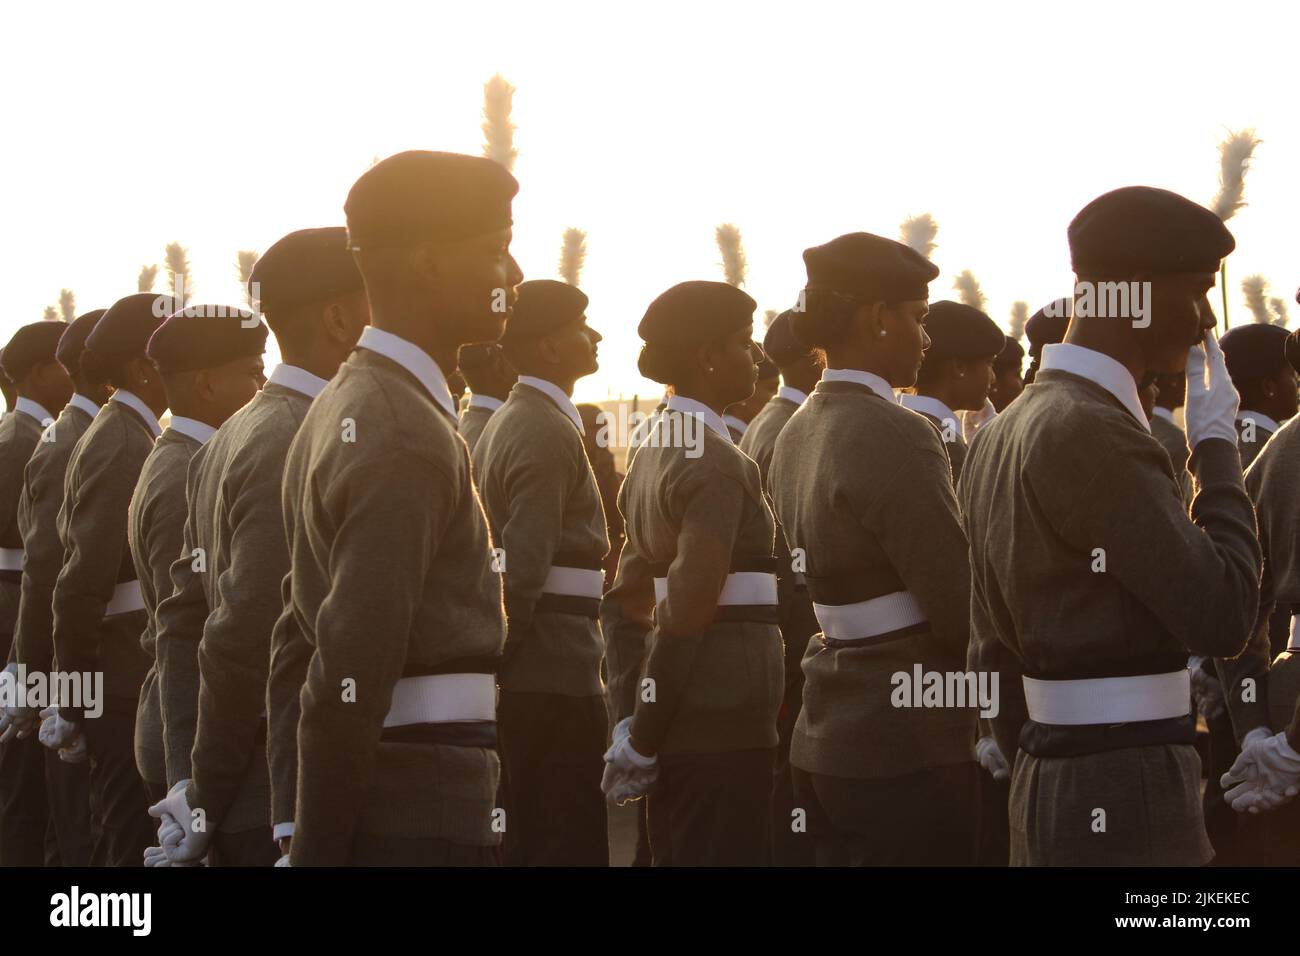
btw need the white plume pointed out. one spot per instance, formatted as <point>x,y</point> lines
<point>1234,159</point>
<point>1279,311</point>
<point>573,253</point>
<point>1254,288</point>
<point>919,232</point>
<point>968,289</point>
<point>1019,316</point>
<point>498,131</point>
<point>733,254</point>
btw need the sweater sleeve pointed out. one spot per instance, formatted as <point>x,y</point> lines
<point>180,617</point>
<point>626,618</point>
<point>290,655</point>
<point>43,557</point>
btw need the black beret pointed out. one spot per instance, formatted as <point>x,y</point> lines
<point>74,340</point>
<point>541,307</point>
<point>696,312</point>
<point>123,331</point>
<point>960,331</point>
<point>870,268</point>
<point>419,195</point>
<point>32,345</point>
<point>476,356</point>
<point>1141,229</point>
<point>310,265</point>
<point>205,336</point>
<point>1253,352</point>
<point>4,379</point>
<point>1010,358</point>
<point>779,343</point>
<point>1047,326</point>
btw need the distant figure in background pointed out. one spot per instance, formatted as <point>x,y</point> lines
<point>739,416</point>
<point>7,386</point>
<point>489,377</point>
<point>956,372</point>
<point>608,480</point>
<point>1007,383</point>
<point>1256,357</point>
<point>1170,389</point>
<point>1046,327</point>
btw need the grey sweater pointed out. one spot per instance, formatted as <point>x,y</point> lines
<point>20,433</point>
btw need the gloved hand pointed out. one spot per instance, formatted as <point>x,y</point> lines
<point>57,733</point>
<point>1206,689</point>
<point>283,861</point>
<point>179,835</point>
<point>971,422</point>
<point>76,752</point>
<point>1265,775</point>
<point>628,774</point>
<point>1211,403</point>
<point>990,757</point>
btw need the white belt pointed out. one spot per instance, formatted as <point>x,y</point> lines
<point>880,615</point>
<point>574,582</point>
<point>1109,700</point>
<point>442,699</point>
<point>11,559</point>
<point>126,598</point>
<point>1293,641</point>
<point>741,588</point>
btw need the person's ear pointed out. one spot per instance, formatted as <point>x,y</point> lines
<point>875,318</point>
<point>424,261</point>
<point>335,321</point>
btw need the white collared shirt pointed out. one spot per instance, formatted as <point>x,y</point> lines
<point>484,401</point>
<point>925,405</point>
<point>1096,367</point>
<point>1161,412</point>
<point>83,403</point>
<point>192,428</point>
<point>869,379</point>
<point>555,394</point>
<point>734,423</point>
<point>1259,418</point>
<point>689,406</point>
<point>415,360</point>
<point>34,410</point>
<point>297,380</point>
<point>133,402</point>
<point>792,394</point>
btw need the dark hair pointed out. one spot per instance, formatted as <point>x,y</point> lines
<point>662,364</point>
<point>99,369</point>
<point>824,319</point>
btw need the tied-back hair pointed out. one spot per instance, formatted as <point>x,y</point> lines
<point>661,363</point>
<point>99,369</point>
<point>825,317</point>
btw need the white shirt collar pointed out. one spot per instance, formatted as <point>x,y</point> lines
<point>1099,368</point>
<point>191,428</point>
<point>734,423</point>
<point>1161,412</point>
<point>33,409</point>
<point>869,379</point>
<point>792,394</point>
<point>1245,415</point>
<point>555,394</point>
<point>85,404</point>
<point>926,405</point>
<point>297,380</point>
<point>415,360</point>
<point>689,406</point>
<point>133,402</point>
<point>484,401</point>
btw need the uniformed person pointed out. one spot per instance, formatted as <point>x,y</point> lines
<point>696,702</point>
<point>1046,327</point>
<point>41,384</point>
<point>546,517</point>
<point>1169,396</point>
<point>99,610</point>
<point>65,788</point>
<point>739,416</point>
<point>596,440</point>
<point>800,368</point>
<point>489,377</point>
<point>7,386</point>
<point>1007,382</point>
<point>1066,496</point>
<point>862,488</point>
<point>1256,357</point>
<point>210,361</point>
<point>215,629</point>
<point>956,372</point>
<point>393,625</point>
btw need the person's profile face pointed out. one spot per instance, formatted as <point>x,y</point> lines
<point>1180,315</point>
<point>1006,389</point>
<point>735,365</point>
<point>232,386</point>
<point>975,383</point>
<point>905,340</point>
<point>475,284</point>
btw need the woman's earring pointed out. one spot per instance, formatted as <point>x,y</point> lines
<point>882,333</point>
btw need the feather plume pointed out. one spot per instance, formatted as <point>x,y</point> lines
<point>573,253</point>
<point>244,260</point>
<point>67,305</point>
<point>1019,316</point>
<point>148,276</point>
<point>498,131</point>
<point>1235,153</point>
<point>733,253</point>
<point>968,290</point>
<point>51,314</point>
<point>177,261</point>
<point>768,316</point>
<point>918,232</point>
<point>1278,308</point>
<point>1254,288</point>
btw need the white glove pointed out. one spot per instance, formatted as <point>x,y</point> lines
<point>1211,403</point>
<point>1265,775</point>
<point>76,752</point>
<point>628,774</point>
<point>179,835</point>
<point>283,861</point>
<point>971,422</point>
<point>15,721</point>
<point>989,754</point>
<point>57,733</point>
<point>1206,689</point>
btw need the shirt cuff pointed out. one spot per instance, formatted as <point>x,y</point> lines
<point>282,831</point>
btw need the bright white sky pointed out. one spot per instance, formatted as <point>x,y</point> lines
<point>226,125</point>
